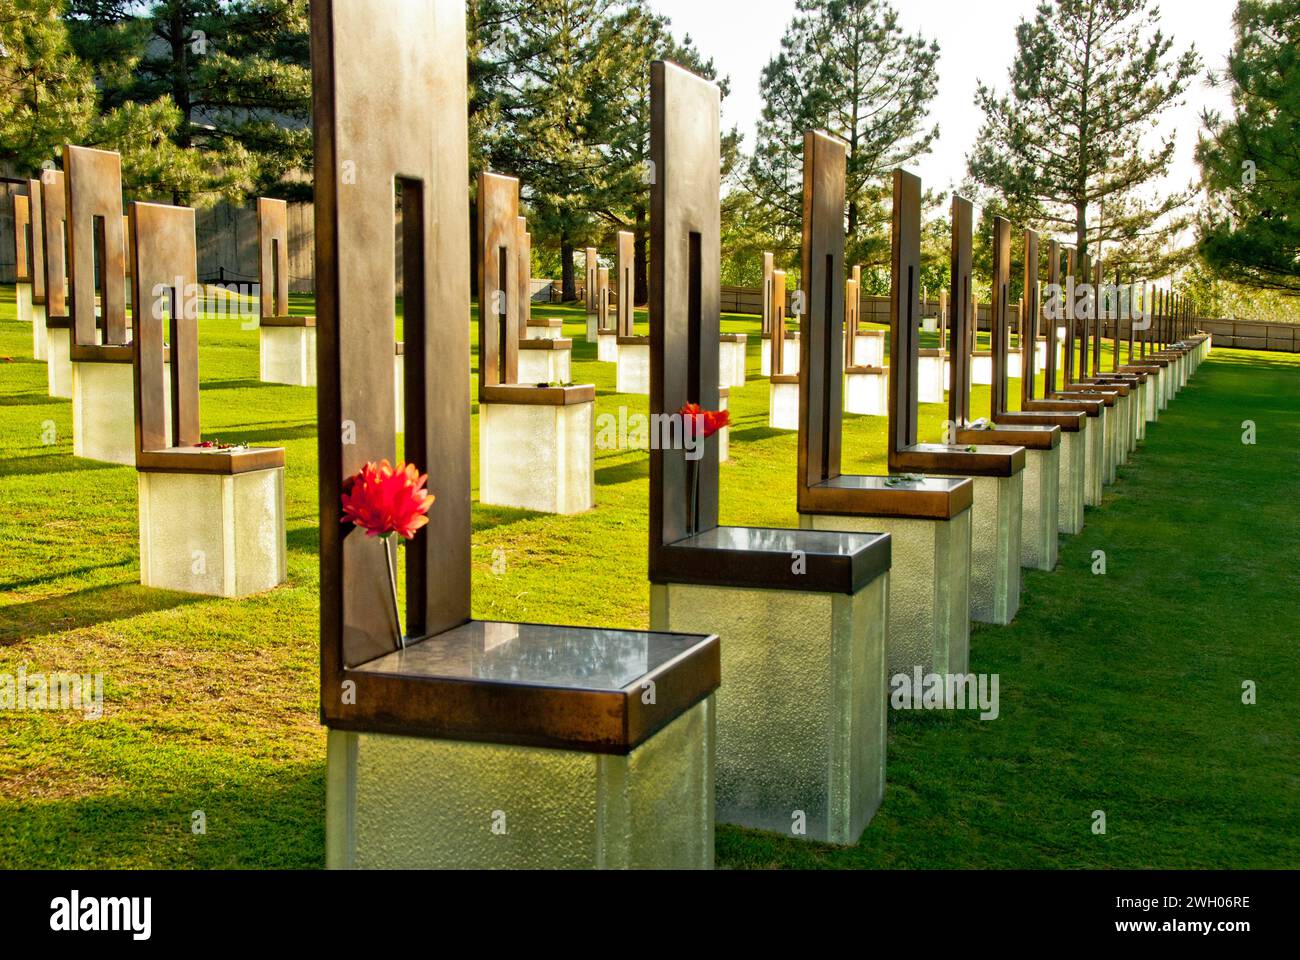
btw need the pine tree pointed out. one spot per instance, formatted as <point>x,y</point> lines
<point>551,120</point>
<point>1089,79</point>
<point>634,38</point>
<point>237,72</point>
<point>50,99</point>
<point>847,67</point>
<point>1250,231</point>
<point>47,96</point>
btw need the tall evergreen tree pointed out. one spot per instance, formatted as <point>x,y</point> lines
<point>635,37</point>
<point>237,71</point>
<point>847,67</point>
<point>1089,79</point>
<point>552,117</point>
<point>48,98</point>
<point>1250,231</point>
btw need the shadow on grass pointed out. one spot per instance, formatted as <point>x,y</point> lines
<point>626,472</point>
<point>750,434</point>
<point>254,820</point>
<point>52,463</point>
<point>487,517</point>
<point>303,539</point>
<point>85,608</point>
<point>54,575</point>
<point>30,400</point>
<point>267,436</point>
<point>246,384</point>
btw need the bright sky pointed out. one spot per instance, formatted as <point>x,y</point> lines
<point>976,42</point>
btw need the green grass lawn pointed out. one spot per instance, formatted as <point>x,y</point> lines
<point>1119,693</point>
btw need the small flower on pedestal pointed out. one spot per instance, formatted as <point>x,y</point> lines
<point>384,501</point>
<point>702,424</point>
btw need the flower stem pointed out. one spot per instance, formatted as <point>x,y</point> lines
<point>392,583</point>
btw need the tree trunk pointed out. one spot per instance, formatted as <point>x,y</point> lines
<point>568,285</point>
<point>641,258</point>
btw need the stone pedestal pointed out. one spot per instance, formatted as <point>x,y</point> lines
<point>930,384</point>
<point>929,588</point>
<point>1115,438</point>
<point>1041,507</point>
<point>633,365</point>
<point>791,355</point>
<point>1095,460</point>
<point>417,803</point>
<point>1073,487</point>
<point>537,456</point>
<point>288,355</point>
<point>103,411</point>
<point>783,403</point>
<point>58,361</point>
<point>215,534</point>
<point>552,329</point>
<point>866,391</point>
<point>545,360</point>
<point>731,359</point>
<point>995,548</point>
<point>981,369</point>
<point>868,349</point>
<point>802,708</point>
<point>26,314</point>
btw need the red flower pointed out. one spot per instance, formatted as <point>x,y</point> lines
<point>383,501</point>
<point>707,422</point>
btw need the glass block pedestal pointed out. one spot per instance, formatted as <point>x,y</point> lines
<point>801,712</point>
<point>23,299</point>
<point>288,355</point>
<point>929,587</point>
<point>421,804</point>
<point>783,403</point>
<point>209,533</point>
<point>552,329</point>
<point>981,369</point>
<point>868,349</point>
<point>633,365</point>
<point>930,384</point>
<point>790,354</point>
<point>1041,507</point>
<point>550,757</point>
<point>103,411</point>
<point>545,360</point>
<point>538,455</point>
<point>995,548</point>
<point>58,361</point>
<point>866,391</point>
<point>1074,477</point>
<point>607,346</point>
<point>592,331</point>
<point>731,359</point>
